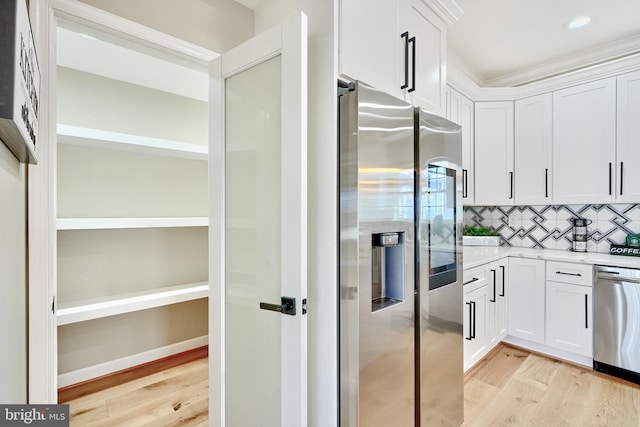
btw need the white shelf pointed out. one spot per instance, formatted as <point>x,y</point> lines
<point>115,223</point>
<point>97,138</point>
<point>80,311</point>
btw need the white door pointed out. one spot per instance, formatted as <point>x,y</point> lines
<point>258,231</point>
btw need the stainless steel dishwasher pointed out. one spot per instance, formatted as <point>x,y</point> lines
<point>616,320</point>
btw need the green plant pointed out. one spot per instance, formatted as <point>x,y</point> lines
<point>470,230</point>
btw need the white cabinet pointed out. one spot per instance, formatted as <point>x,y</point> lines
<point>398,47</point>
<point>476,300</point>
<point>526,299</point>
<point>628,146</point>
<point>569,315</point>
<point>584,143</point>
<point>498,278</point>
<point>460,110</point>
<point>532,150</point>
<point>494,171</point>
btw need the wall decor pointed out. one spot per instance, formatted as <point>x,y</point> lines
<point>550,227</point>
<point>19,82</point>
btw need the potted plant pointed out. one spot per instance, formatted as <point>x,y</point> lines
<point>480,236</point>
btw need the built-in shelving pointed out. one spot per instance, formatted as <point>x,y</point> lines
<point>114,223</point>
<point>97,138</point>
<point>80,311</point>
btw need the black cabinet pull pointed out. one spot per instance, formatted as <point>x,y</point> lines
<point>610,180</point>
<point>586,311</point>
<point>405,36</point>
<point>465,184</point>
<point>475,279</point>
<point>621,176</point>
<point>493,272</point>
<point>469,338</point>
<point>473,328</point>
<point>502,268</point>
<point>511,180</point>
<point>569,274</point>
<point>412,40</point>
<point>546,183</point>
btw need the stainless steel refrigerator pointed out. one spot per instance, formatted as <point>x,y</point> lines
<point>401,344</point>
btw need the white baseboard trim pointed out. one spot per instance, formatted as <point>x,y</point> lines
<point>116,365</point>
<point>553,352</point>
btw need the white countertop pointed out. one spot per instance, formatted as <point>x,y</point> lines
<point>474,256</point>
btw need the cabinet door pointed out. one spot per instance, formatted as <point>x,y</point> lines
<point>428,64</point>
<point>370,44</point>
<point>569,318</point>
<point>475,328</point>
<point>466,121</point>
<point>628,148</point>
<point>502,279</point>
<point>494,177</point>
<point>584,142</point>
<point>526,299</point>
<point>532,150</point>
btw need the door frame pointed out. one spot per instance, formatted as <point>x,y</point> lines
<point>42,234</point>
<point>289,39</point>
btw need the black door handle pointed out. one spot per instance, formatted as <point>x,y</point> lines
<point>621,176</point>
<point>546,183</point>
<point>493,272</point>
<point>412,40</point>
<point>287,306</point>
<point>465,184</point>
<point>511,185</point>
<point>473,328</point>
<point>503,278</point>
<point>405,36</point>
<point>470,337</point>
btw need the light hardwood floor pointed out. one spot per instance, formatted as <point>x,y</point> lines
<point>511,387</point>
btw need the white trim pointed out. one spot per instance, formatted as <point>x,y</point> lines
<point>126,362</point>
<point>97,138</point>
<point>550,351</point>
<point>449,11</point>
<point>80,311</point>
<point>64,224</point>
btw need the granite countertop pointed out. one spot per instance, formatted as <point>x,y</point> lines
<point>474,256</point>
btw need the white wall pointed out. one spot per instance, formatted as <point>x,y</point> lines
<point>13,279</point>
<point>217,25</point>
<point>322,200</point>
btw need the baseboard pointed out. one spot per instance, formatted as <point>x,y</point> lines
<point>550,351</point>
<point>102,369</point>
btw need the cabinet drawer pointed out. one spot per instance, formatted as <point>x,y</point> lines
<point>474,278</point>
<point>564,272</point>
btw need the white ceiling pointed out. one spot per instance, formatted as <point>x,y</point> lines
<point>513,42</point>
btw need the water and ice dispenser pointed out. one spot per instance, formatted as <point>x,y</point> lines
<point>387,270</point>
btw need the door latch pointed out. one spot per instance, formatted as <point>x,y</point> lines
<point>287,306</point>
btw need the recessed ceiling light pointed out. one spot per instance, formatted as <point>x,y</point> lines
<point>577,22</point>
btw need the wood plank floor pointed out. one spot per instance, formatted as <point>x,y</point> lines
<point>512,387</point>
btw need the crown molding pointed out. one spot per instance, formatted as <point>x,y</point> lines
<point>449,11</point>
<point>584,59</point>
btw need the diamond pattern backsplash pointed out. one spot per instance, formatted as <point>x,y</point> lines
<point>550,227</point>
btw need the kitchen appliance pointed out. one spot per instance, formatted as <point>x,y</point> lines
<point>580,234</point>
<point>616,322</point>
<point>401,346</point>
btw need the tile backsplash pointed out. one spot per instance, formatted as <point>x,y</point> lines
<point>550,227</point>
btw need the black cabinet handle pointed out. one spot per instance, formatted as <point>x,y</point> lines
<point>621,176</point>
<point>546,183</point>
<point>465,184</point>
<point>493,272</point>
<point>405,36</point>
<point>473,328</point>
<point>586,311</point>
<point>569,274</point>
<point>412,40</point>
<point>475,279</point>
<point>469,338</point>
<point>610,180</point>
<point>511,180</point>
<point>502,268</point>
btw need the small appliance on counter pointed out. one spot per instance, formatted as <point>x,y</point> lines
<point>580,234</point>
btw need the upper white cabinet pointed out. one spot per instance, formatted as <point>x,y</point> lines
<point>532,150</point>
<point>396,46</point>
<point>460,110</point>
<point>584,143</point>
<point>628,143</point>
<point>494,171</point>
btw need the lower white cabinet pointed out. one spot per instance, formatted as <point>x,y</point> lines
<point>475,300</point>
<point>526,299</point>
<point>497,313</point>
<point>569,324</point>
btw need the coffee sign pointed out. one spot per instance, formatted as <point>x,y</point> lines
<point>19,82</point>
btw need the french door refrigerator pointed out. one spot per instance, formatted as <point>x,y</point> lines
<point>401,345</point>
